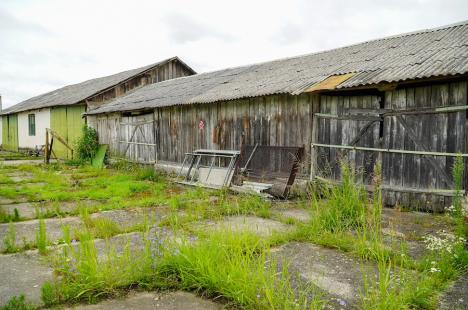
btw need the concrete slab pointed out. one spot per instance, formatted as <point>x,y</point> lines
<point>25,162</point>
<point>26,230</point>
<point>456,297</point>
<point>27,210</point>
<point>151,300</point>
<point>338,275</point>
<point>410,228</point>
<point>23,273</point>
<point>20,176</point>
<point>300,215</point>
<point>260,226</point>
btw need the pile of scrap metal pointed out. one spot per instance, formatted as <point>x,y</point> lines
<point>270,170</point>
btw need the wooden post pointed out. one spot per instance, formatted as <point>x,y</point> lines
<point>46,151</point>
<point>313,150</point>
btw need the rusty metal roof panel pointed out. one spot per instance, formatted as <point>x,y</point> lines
<point>428,53</point>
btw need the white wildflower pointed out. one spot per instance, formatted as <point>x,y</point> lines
<point>445,241</point>
<point>433,270</point>
<point>450,209</point>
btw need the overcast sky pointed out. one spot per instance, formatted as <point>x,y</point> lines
<point>48,44</point>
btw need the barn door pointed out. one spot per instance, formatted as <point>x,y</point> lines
<point>429,121</point>
<point>347,121</point>
<point>138,138</point>
<point>415,132</point>
<point>10,132</point>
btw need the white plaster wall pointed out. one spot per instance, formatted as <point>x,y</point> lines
<point>42,122</point>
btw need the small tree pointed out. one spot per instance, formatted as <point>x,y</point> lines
<point>87,145</point>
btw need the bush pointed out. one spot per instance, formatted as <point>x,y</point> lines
<point>87,145</point>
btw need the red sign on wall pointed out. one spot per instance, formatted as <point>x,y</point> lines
<point>201,125</point>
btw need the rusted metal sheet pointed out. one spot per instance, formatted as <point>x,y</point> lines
<point>331,82</point>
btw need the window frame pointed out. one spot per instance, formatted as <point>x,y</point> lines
<point>32,124</point>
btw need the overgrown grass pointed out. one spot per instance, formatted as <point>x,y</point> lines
<point>41,238</point>
<point>247,276</point>
<point>9,241</point>
<point>18,303</point>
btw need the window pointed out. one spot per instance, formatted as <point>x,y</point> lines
<point>32,124</point>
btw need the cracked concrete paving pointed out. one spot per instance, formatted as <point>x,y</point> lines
<point>335,273</point>
<point>25,232</point>
<point>456,297</point>
<point>151,300</point>
<point>23,273</point>
<point>30,210</point>
<point>259,226</point>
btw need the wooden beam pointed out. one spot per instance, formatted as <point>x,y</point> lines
<point>382,150</point>
<point>370,188</point>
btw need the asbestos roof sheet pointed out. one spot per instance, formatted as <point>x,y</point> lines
<point>75,93</point>
<point>428,53</point>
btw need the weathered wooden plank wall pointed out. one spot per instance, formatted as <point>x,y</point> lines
<point>403,174</point>
<point>343,129</point>
<point>170,70</point>
<point>286,120</point>
<point>272,120</point>
<point>136,135</point>
<point>440,132</point>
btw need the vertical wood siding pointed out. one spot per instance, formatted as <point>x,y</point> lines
<point>286,120</point>
<point>10,132</point>
<point>67,121</point>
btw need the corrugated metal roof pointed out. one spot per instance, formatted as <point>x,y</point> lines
<point>435,52</point>
<point>75,93</point>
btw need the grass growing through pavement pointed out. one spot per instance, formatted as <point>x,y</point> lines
<point>247,276</point>
<point>41,238</point>
<point>9,241</point>
<point>346,219</point>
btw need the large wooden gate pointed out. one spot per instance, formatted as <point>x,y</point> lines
<point>415,133</point>
<point>138,138</point>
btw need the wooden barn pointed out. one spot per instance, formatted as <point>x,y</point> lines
<point>24,124</point>
<point>400,100</point>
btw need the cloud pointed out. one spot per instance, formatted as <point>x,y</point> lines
<point>48,44</point>
<point>9,23</point>
<point>184,29</point>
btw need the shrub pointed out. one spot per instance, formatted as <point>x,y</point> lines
<point>87,145</point>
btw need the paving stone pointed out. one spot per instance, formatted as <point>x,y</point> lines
<point>18,162</point>
<point>20,176</point>
<point>23,273</point>
<point>26,230</point>
<point>410,227</point>
<point>260,226</point>
<point>301,215</point>
<point>27,210</point>
<point>456,297</point>
<point>338,275</point>
<point>151,300</point>
<point>414,225</point>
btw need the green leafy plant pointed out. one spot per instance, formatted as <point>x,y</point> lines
<point>87,145</point>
